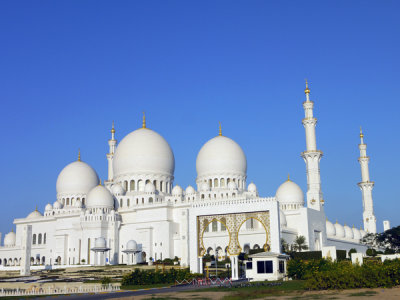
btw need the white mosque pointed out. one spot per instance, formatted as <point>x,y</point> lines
<point>138,214</point>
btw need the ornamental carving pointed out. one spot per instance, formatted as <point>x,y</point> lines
<point>233,223</point>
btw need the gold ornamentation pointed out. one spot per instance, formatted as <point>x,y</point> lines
<point>220,129</point>
<point>288,177</point>
<point>307,90</point>
<point>112,128</point>
<point>144,121</point>
<point>79,154</point>
<point>361,133</point>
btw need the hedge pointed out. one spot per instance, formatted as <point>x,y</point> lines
<point>307,255</point>
<point>324,274</point>
<point>145,277</point>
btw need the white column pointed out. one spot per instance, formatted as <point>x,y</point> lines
<point>235,267</point>
<point>366,187</point>
<point>26,244</point>
<point>386,225</point>
<point>312,156</point>
<point>200,262</point>
<point>111,143</point>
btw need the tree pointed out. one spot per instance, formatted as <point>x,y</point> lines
<point>284,246</point>
<point>390,239</point>
<point>299,243</point>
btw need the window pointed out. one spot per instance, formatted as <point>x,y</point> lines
<point>132,187</point>
<point>249,265</point>
<point>214,226</point>
<point>34,239</point>
<point>281,266</point>
<point>264,266</point>
<point>44,239</point>
<point>40,238</point>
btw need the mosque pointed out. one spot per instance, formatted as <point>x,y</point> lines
<point>139,215</point>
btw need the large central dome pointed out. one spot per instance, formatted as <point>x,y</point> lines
<point>221,155</point>
<point>143,151</point>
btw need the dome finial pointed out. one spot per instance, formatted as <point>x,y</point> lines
<point>112,128</point>
<point>361,136</point>
<point>36,208</point>
<point>144,121</point>
<point>220,129</point>
<point>99,181</point>
<point>307,90</point>
<point>79,154</point>
<point>12,229</point>
<point>288,177</point>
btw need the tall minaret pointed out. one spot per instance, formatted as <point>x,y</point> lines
<point>312,156</point>
<point>112,143</point>
<point>366,187</point>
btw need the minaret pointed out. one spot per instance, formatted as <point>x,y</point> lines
<point>110,156</point>
<point>366,187</point>
<point>312,156</point>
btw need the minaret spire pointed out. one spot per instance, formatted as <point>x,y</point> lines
<point>366,187</point>
<point>144,121</point>
<point>312,156</point>
<point>110,155</point>
<point>220,129</point>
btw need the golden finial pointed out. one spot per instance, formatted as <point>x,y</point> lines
<point>36,208</point>
<point>12,229</point>
<point>220,129</point>
<point>336,221</point>
<point>99,181</point>
<point>361,133</point>
<point>144,121</point>
<point>307,90</point>
<point>288,177</point>
<point>353,225</point>
<point>79,154</point>
<point>112,128</point>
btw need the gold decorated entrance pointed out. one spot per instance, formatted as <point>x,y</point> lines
<point>232,222</point>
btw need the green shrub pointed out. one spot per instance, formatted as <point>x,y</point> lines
<point>106,280</point>
<point>340,254</point>
<point>307,255</point>
<point>146,277</point>
<point>344,275</point>
<point>168,262</point>
<point>371,252</point>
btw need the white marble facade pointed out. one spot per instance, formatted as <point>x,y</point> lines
<point>139,202</point>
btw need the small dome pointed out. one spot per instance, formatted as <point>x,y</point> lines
<point>356,234</point>
<point>330,229</point>
<point>232,185</point>
<point>177,191</point>
<point>9,239</point>
<point>57,205</point>
<point>143,151</point>
<point>100,243</point>
<point>348,233</point>
<point>77,178</point>
<point>118,190</point>
<point>34,215</point>
<point>149,188</point>
<point>131,245</point>
<point>252,188</point>
<point>289,193</point>
<point>190,190</point>
<point>48,207</point>
<point>100,197</point>
<point>78,204</point>
<point>204,187</point>
<point>363,233</point>
<point>282,219</point>
<point>221,155</point>
<point>339,230</point>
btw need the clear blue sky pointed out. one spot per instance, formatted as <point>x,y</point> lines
<point>68,68</point>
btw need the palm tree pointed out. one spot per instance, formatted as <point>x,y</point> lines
<point>300,243</point>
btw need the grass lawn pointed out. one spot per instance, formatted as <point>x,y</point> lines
<point>256,291</point>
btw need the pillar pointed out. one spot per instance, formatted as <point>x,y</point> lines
<point>26,244</point>
<point>235,267</point>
